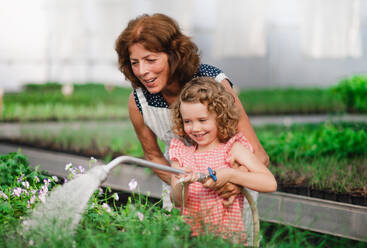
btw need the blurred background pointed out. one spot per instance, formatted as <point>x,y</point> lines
<point>257,43</point>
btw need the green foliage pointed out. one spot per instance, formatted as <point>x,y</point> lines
<point>310,142</point>
<point>20,187</point>
<point>353,92</point>
<point>289,101</point>
<point>15,166</point>
<point>328,156</point>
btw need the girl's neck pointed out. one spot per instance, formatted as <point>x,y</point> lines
<point>206,148</point>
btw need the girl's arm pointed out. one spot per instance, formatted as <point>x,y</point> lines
<point>258,177</point>
<point>179,189</point>
<point>148,140</point>
<point>245,127</point>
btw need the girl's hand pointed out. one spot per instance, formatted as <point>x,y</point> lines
<point>189,177</point>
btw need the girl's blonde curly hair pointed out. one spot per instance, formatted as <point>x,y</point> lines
<point>217,99</point>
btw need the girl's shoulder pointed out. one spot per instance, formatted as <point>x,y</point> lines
<point>238,139</point>
<point>235,145</point>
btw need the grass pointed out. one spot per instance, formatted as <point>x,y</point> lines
<point>95,102</point>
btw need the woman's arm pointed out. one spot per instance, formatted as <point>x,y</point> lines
<point>148,140</point>
<point>244,126</point>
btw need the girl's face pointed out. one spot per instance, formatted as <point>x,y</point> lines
<point>200,125</point>
<point>150,68</point>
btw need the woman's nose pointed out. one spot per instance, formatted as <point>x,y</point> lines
<point>142,69</point>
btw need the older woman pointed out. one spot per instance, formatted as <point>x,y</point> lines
<point>158,59</point>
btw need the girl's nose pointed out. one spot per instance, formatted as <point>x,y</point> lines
<point>195,126</point>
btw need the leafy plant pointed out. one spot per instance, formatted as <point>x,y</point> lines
<point>353,92</point>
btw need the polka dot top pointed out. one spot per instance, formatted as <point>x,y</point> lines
<point>157,100</point>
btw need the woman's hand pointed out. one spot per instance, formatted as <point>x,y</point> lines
<point>225,189</point>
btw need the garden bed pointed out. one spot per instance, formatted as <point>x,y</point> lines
<point>318,160</point>
<point>136,222</point>
<point>99,102</point>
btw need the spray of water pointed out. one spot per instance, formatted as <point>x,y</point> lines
<point>65,205</point>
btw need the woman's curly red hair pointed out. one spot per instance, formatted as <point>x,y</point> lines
<point>158,33</point>
<point>207,91</point>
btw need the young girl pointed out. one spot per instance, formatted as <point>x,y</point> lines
<point>205,118</point>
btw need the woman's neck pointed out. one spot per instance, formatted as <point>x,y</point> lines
<point>170,92</point>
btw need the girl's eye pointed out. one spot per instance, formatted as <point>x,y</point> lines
<point>202,120</point>
<point>186,121</point>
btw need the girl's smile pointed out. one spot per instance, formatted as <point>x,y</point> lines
<point>200,125</point>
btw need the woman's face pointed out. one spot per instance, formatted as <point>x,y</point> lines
<point>151,68</point>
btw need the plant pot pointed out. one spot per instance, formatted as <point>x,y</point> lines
<point>317,193</point>
<point>344,197</point>
<point>358,199</point>
<point>329,195</point>
<point>303,190</point>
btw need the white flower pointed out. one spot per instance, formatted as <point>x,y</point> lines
<point>100,191</point>
<point>68,166</point>
<point>42,197</point>
<point>17,191</point>
<point>81,169</point>
<point>37,179</point>
<point>140,216</point>
<point>46,181</point>
<point>93,160</point>
<point>115,196</point>
<point>33,199</point>
<point>106,207</point>
<point>3,195</point>
<point>55,178</point>
<point>20,178</point>
<point>25,184</point>
<point>133,184</point>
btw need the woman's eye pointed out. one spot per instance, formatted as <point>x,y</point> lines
<point>133,63</point>
<point>151,60</point>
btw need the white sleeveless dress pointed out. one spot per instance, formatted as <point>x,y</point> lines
<point>157,116</point>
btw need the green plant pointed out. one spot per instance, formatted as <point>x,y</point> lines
<point>353,92</point>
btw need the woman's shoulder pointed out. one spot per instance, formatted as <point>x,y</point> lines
<point>206,70</point>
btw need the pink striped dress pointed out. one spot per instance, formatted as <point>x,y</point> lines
<point>204,209</point>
